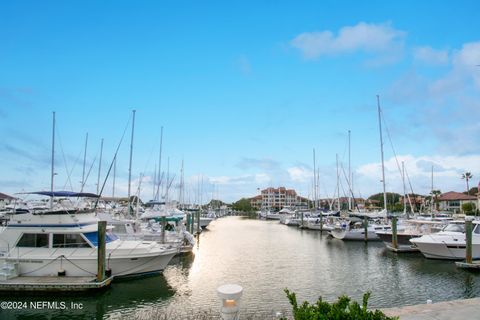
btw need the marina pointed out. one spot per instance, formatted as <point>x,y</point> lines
<point>252,160</point>
<point>265,257</point>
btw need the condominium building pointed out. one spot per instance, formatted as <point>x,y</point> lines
<point>277,198</point>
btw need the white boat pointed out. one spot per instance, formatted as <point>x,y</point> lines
<point>282,214</point>
<point>43,243</point>
<point>450,243</point>
<point>410,229</point>
<point>355,230</point>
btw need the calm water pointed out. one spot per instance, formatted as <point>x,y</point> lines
<point>264,258</point>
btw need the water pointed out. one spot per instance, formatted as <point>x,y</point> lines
<point>264,257</point>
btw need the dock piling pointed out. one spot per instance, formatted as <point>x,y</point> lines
<point>101,250</point>
<point>365,226</point>
<point>198,222</point>
<point>394,233</point>
<point>468,235</point>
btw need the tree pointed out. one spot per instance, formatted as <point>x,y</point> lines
<point>242,205</point>
<point>468,208</point>
<point>436,193</point>
<point>467,176</point>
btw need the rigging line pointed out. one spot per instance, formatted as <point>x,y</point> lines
<point>69,174</point>
<point>350,190</point>
<point>111,163</point>
<point>64,160</point>
<point>395,154</point>
<point>89,170</point>
<point>144,170</point>
<point>391,143</point>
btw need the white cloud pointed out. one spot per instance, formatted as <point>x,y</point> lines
<point>431,56</point>
<point>300,174</point>
<point>447,171</point>
<point>365,37</point>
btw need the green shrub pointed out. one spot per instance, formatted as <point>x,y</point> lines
<point>343,309</point>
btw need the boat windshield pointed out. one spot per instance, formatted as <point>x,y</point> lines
<point>455,227</point>
<point>93,237</point>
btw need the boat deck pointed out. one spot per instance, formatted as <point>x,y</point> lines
<point>51,284</point>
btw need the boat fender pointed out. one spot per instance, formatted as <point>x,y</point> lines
<point>61,273</point>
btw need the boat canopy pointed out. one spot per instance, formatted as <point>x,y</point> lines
<point>64,194</point>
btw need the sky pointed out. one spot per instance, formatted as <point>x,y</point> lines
<point>244,91</point>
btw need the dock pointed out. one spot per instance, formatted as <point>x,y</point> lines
<point>474,265</point>
<point>455,309</point>
<point>53,284</point>
<point>402,250</point>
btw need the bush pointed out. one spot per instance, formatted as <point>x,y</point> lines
<point>344,308</point>
<point>469,208</point>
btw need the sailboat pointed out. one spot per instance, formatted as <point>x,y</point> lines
<point>63,240</point>
<point>354,228</point>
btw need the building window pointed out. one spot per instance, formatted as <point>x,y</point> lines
<point>33,240</point>
<point>454,203</point>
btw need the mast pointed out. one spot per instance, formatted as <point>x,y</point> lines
<point>53,161</point>
<point>130,165</point>
<point>431,200</point>
<point>154,182</point>
<point>404,191</point>
<point>314,182</point>
<point>114,174</point>
<point>349,175</point>
<point>99,167</point>
<point>381,150</point>
<point>338,185</point>
<point>181,191</point>
<point>168,180</point>
<point>84,163</point>
<point>159,178</point>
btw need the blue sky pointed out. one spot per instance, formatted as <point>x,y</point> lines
<point>244,91</point>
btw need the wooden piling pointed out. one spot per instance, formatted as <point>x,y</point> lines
<point>394,233</point>
<point>164,224</point>
<point>301,225</point>
<point>198,222</point>
<point>468,234</point>
<point>365,228</point>
<point>101,250</point>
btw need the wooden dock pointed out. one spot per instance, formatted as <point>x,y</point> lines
<point>447,310</point>
<point>475,265</point>
<point>53,284</point>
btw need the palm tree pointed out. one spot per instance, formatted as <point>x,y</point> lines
<point>435,194</point>
<point>467,176</point>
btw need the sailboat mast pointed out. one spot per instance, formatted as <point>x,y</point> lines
<point>99,167</point>
<point>53,161</point>
<point>431,200</point>
<point>114,175</point>
<point>314,182</point>
<point>338,185</point>
<point>381,150</point>
<point>130,164</point>
<point>159,165</point>
<point>404,191</point>
<point>84,162</point>
<point>349,175</point>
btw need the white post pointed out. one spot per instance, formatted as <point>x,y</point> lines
<point>230,295</point>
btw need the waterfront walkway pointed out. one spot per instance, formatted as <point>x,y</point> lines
<point>455,309</point>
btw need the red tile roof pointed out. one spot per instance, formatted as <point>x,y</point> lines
<point>452,195</point>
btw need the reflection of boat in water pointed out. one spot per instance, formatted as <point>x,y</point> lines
<point>123,297</point>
